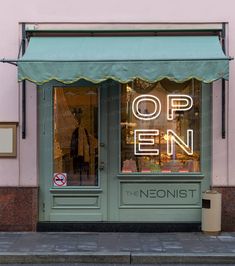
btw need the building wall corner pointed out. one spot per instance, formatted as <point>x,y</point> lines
<point>228,208</point>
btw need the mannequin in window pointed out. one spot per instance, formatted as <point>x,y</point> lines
<point>80,148</point>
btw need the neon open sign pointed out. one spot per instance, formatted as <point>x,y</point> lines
<point>144,139</point>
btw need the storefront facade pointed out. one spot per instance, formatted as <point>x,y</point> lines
<point>120,123</point>
<point>115,184</point>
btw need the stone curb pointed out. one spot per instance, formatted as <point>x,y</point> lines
<point>183,258</point>
<point>65,257</point>
<point>116,257</point>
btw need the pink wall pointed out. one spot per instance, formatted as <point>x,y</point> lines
<point>23,170</point>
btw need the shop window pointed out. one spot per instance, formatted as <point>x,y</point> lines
<point>75,136</point>
<point>160,127</point>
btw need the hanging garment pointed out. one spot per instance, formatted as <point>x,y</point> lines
<point>80,150</point>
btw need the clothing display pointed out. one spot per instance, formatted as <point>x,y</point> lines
<point>80,151</point>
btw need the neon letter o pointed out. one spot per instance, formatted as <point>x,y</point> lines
<point>146,98</point>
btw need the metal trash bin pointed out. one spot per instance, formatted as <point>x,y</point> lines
<point>211,212</point>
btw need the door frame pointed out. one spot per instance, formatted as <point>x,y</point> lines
<point>51,207</point>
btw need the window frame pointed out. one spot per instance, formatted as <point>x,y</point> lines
<point>205,143</point>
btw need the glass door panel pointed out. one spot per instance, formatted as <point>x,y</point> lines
<point>76,135</point>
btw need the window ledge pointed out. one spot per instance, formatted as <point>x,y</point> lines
<point>162,176</point>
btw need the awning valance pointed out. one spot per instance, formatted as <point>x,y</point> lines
<point>69,59</point>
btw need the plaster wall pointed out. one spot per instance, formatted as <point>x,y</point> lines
<point>22,171</point>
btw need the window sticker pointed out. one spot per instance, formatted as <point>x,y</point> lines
<point>60,179</point>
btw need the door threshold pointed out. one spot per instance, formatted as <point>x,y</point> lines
<point>144,227</point>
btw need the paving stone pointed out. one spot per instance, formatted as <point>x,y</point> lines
<point>41,245</point>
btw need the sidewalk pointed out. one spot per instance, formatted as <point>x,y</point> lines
<point>125,248</point>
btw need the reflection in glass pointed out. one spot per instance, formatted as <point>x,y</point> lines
<point>156,132</point>
<point>76,135</point>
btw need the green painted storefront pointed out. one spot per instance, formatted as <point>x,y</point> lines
<point>120,197</point>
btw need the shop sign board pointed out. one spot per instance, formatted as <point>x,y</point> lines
<point>155,193</point>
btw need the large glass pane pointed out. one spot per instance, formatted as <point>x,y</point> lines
<point>75,136</point>
<point>160,127</point>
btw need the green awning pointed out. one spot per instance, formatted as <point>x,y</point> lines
<point>69,59</point>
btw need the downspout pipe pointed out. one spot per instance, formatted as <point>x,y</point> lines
<point>223,89</point>
<point>23,86</point>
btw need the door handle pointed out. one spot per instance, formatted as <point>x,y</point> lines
<point>102,144</point>
<point>101,166</point>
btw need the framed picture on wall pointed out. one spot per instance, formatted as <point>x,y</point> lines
<point>8,139</point>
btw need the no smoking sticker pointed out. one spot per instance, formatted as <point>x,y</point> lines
<point>60,179</point>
